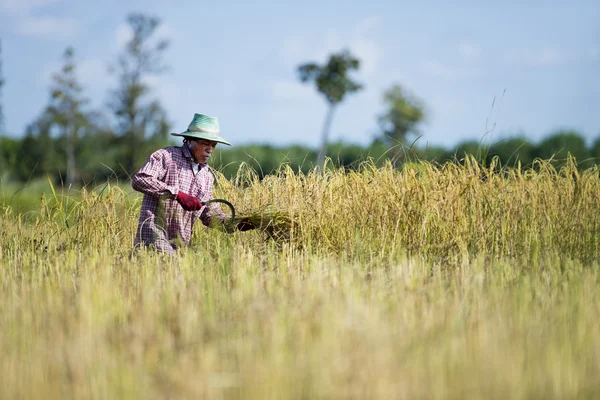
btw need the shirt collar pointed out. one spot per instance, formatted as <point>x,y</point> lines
<point>187,154</point>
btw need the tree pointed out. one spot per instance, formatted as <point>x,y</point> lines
<point>9,148</point>
<point>513,150</point>
<point>139,120</point>
<point>465,149</point>
<point>332,82</point>
<point>562,143</point>
<point>404,112</point>
<point>66,111</point>
<point>37,153</point>
<point>595,150</point>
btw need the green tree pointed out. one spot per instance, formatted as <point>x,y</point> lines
<point>97,166</point>
<point>66,111</point>
<point>141,123</point>
<point>347,155</point>
<point>332,82</point>
<point>38,154</point>
<point>404,113</point>
<point>264,159</point>
<point>513,150</point>
<point>595,150</point>
<point>562,143</point>
<point>9,149</point>
<point>464,149</point>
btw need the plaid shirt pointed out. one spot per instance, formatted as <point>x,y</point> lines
<point>163,222</point>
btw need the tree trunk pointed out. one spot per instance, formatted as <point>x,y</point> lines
<point>133,139</point>
<point>325,137</point>
<point>71,167</point>
<point>71,137</point>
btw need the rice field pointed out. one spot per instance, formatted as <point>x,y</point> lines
<point>454,281</point>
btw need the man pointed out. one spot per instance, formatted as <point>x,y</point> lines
<point>175,182</point>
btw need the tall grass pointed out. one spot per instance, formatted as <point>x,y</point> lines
<point>451,281</point>
<point>439,212</point>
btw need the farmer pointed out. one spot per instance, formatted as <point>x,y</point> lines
<point>175,181</point>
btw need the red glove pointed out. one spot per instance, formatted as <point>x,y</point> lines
<point>188,202</point>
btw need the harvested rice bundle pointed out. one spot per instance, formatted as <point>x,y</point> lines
<point>277,224</point>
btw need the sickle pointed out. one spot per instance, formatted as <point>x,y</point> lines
<point>206,203</point>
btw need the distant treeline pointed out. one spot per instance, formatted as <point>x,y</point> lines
<point>101,156</point>
<point>76,144</point>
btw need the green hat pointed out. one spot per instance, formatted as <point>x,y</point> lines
<point>204,127</point>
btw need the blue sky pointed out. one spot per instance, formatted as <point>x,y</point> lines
<point>237,60</point>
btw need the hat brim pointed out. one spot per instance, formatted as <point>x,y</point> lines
<point>203,135</point>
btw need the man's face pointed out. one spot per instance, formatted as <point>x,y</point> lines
<point>201,149</point>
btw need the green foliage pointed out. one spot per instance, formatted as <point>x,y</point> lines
<point>39,153</point>
<point>595,150</point>
<point>513,151</point>
<point>562,143</point>
<point>404,113</point>
<point>9,152</point>
<point>265,159</point>
<point>332,78</point>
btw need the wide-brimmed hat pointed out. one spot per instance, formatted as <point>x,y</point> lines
<point>204,127</point>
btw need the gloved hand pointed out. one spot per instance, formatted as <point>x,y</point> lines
<point>245,225</point>
<point>189,202</point>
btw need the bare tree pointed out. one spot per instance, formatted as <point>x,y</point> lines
<point>66,111</point>
<point>139,119</point>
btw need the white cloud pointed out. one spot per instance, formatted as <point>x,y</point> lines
<point>294,48</point>
<point>536,57</point>
<point>303,48</point>
<point>469,50</point>
<point>24,6</point>
<point>369,52</point>
<point>48,27</point>
<point>365,26</point>
<point>437,69</point>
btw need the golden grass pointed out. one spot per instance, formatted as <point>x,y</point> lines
<point>435,282</point>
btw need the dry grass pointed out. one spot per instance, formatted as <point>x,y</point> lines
<point>433,282</point>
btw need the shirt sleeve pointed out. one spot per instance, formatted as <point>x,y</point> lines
<point>150,179</point>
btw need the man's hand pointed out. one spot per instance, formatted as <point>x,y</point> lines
<point>188,202</point>
<point>245,225</point>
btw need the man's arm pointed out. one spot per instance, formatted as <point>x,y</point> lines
<point>150,178</point>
